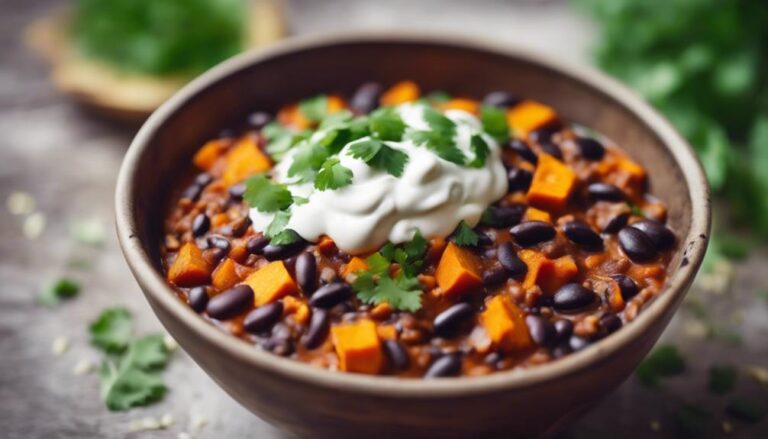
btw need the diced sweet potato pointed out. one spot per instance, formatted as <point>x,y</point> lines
<point>539,267</point>
<point>615,299</point>
<point>190,267</point>
<point>400,93</point>
<point>244,160</point>
<point>458,271</point>
<point>271,283</point>
<point>505,324</point>
<point>634,170</point>
<point>534,214</point>
<point>563,270</point>
<point>357,346</point>
<point>325,244</point>
<point>207,156</point>
<point>354,265</point>
<point>386,332</point>
<point>528,116</point>
<point>552,184</point>
<point>468,105</point>
<point>225,275</point>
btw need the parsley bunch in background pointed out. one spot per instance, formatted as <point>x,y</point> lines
<point>704,64</point>
<point>160,37</point>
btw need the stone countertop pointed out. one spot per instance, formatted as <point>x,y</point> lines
<point>68,159</point>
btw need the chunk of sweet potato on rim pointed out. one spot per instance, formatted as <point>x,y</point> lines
<point>357,346</point>
<point>190,267</point>
<point>505,324</point>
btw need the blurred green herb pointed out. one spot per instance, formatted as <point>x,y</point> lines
<point>59,290</point>
<point>704,63</point>
<point>664,361</point>
<point>746,410</point>
<point>160,37</point>
<point>692,421</point>
<point>722,379</point>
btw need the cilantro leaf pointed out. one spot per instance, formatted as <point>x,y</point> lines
<point>280,139</point>
<point>386,124</point>
<point>333,175</point>
<point>440,137</point>
<point>480,149</point>
<point>465,236</point>
<point>402,292</point>
<point>266,195</point>
<point>747,410</point>
<point>61,289</point>
<point>112,330</point>
<point>125,387</point>
<point>148,352</point>
<point>377,263</point>
<point>285,237</point>
<point>365,150</point>
<point>692,421</point>
<point>494,122</point>
<point>309,158</point>
<point>664,361</point>
<point>722,379</point>
<point>276,231</point>
<point>380,156</point>
<point>410,255</point>
<point>314,109</point>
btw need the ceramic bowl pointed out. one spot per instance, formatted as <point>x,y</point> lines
<point>314,402</point>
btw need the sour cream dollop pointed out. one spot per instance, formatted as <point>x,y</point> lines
<point>433,195</point>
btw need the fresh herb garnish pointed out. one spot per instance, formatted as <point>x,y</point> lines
<point>386,124</point>
<point>440,137</point>
<point>59,290</point>
<point>112,330</point>
<point>722,379</point>
<point>494,122</point>
<point>480,149</point>
<point>380,156</point>
<point>130,381</point>
<point>265,195</point>
<point>333,175</point>
<point>746,410</point>
<point>280,139</point>
<point>278,223</point>
<point>376,285</point>
<point>409,255</point>
<point>465,236</point>
<point>664,361</point>
<point>692,420</point>
<point>314,109</point>
<point>307,161</point>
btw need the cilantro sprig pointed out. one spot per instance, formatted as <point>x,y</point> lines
<point>494,122</point>
<point>439,137</point>
<point>378,155</point>
<point>465,236</point>
<point>333,175</point>
<point>61,289</point>
<point>266,195</point>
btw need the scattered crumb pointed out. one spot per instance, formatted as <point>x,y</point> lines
<point>148,423</point>
<point>655,426</point>
<point>758,373</point>
<point>60,345</point>
<point>199,422</point>
<point>695,328</point>
<point>20,203</point>
<point>167,420</point>
<point>33,226</point>
<point>170,343</point>
<point>727,427</point>
<point>184,435</point>
<point>83,367</point>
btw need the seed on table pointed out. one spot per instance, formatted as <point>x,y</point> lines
<point>531,233</point>
<point>495,276</point>
<point>573,296</point>
<point>366,98</point>
<point>523,150</point>
<point>627,286</point>
<point>519,179</point>
<point>590,149</point>
<point>616,223</point>
<point>541,330</point>
<point>192,192</point>
<point>203,179</point>
<point>274,252</point>
<point>605,192</point>
<point>445,366</point>
<point>219,242</point>
<point>256,245</point>
<point>318,328</point>
<point>509,260</point>
<point>636,244</point>
<point>582,235</point>
<point>447,322</point>
<point>610,323</point>
<point>263,317</point>
<point>237,191</point>
<point>259,119</point>
<point>397,354</point>
<point>577,343</point>
<point>230,303</point>
<point>507,216</point>
<point>500,99</point>
<point>660,235</point>
<point>198,298</point>
<point>200,224</point>
<point>330,295</point>
<point>550,148</point>
<point>563,329</point>
<point>306,273</point>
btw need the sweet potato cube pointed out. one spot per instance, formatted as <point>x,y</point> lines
<point>528,116</point>
<point>458,272</point>
<point>400,93</point>
<point>563,270</point>
<point>635,171</point>
<point>354,265</point>
<point>206,156</point>
<point>357,346</point>
<point>244,160</point>
<point>190,267</point>
<point>225,275</point>
<point>534,214</point>
<point>615,299</point>
<point>386,332</point>
<point>270,283</point>
<point>539,267</point>
<point>552,184</point>
<point>468,105</point>
<point>505,324</point>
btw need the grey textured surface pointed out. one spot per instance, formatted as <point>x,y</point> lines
<point>68,160</point>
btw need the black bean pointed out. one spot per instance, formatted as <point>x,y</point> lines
<point>519,179</point>
<point>550,148</point>
<point>230,303</point>
<point>227,133</point>
<point>218,242</point>
<point>573,296</point>
<point>531,233</point>
<point>582,235</point>
<point>523,150</point>
<point>198,298</point>
<point>605,192</point>
<point>218,254</point>
<point>616,223</point>
<point>330,295</point>
<point>306,272</point>
<point>541,330</point>
<point>545,133</point>
<point>577,343</point>
<point>563,329</point>
<point>544,300</point>
<point>636,244</point>
<point>509,260</point>
<point>628,287</point>
<point>259,119</point>
<point>192,192</point>
<point>240,226</point>
<point>445,366</point>
<point>661,236</point>
<point>203,179</point>
<point>493,359</point>
<point>280,346</point>
<point>610,323</point>
<point>494,276</point>
<point>483,239</point>
<point>256,245</point>
<point>500,99</point>
<point>263,317</point>
<point>590,149</point>
<point>447,323</point>
<point>397,354</point>
<point>200,224</point>
<point>274,252</point>
<point>500,217</point>
<point>237,191</point>
<point>366,98</point>
<point>318,328</point>
<point>561,350</point>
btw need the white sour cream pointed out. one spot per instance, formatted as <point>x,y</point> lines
<point>433,195</point>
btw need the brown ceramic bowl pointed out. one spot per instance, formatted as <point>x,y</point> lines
<point>314,402</point>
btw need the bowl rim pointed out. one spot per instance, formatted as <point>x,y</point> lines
<point>155,287</point>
